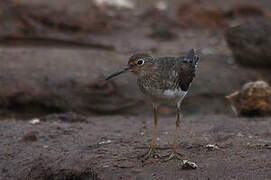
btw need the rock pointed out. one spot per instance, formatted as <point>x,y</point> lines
<point>67,81</point>
<point>43,80</point>
<point>254,99</point>
<point>37,20</point>
<point>163,34</point>
<point>209,16</point>
<point>192,14</point>
<point>251,42</point>
<point>211,85</point>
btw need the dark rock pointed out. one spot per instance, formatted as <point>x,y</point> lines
<point>34,23</point>
<point>65,85</point>
<point>251,42</point>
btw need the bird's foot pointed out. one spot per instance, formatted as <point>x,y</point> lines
<point>151,153</point>
<point>173,155</point>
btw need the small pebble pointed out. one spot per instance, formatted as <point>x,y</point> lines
<point>30,137</point>
<point>240,134</point>
<point>105,142</point>
<point>189,165</point>
<point>34,121</point>
<point>211,146</point>
<point>106,166</point>
<point>116,3</point>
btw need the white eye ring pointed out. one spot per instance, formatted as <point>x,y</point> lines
<point>140,62</point>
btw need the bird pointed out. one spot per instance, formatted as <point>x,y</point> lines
<point>162,80</point>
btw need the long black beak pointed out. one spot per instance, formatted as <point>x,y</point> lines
<point>117,73</point>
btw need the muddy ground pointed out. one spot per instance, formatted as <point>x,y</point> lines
<point>107,148</point>
<point>54,56</point>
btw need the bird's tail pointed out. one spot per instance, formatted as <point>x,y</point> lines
<point>192,57</point>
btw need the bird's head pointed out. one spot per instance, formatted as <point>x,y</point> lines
<point>137,64</point>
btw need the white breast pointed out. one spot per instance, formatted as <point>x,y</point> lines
<point>174,93</point>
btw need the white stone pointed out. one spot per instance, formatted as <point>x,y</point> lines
<point>116,3</point>
<point>105,142</point>
<point>189,165</point>
<point>34,121</point>
<point>212,146</point>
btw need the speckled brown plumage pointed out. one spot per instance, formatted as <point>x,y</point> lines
<point>163,79</point>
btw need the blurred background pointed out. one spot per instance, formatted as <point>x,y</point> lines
<point>55,53</point>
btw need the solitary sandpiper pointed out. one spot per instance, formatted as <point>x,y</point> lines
<point>163,79</point>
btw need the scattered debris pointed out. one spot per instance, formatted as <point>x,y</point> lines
<point>105,142</point>
<point>211,146</point>
<point>189,165</point>
<point>254,99</point>
<point>116,3</point>
<point>34,121</point>
<point>30,137</point>
<point>259,145</point>
<point>105,166</point>
<point>240,134</point>
<point>66,117</point>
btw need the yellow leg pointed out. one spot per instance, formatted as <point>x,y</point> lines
<point>174,153</point>
<point>151,152</point>
<point>154,127</point>
<point>176,131</point>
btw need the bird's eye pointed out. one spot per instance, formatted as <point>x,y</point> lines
<point>140,62</point>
